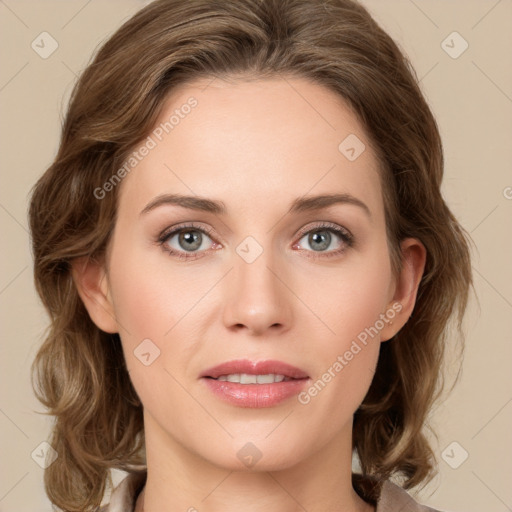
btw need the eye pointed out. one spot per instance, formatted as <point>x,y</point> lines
<point>185,241</point>
<point>190,241</point>
<point>320,239</point>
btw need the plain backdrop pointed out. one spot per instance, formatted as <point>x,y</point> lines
<point>470,92</point>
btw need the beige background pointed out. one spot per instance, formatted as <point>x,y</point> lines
<point>471,97</point>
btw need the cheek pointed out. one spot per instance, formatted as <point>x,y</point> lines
<point>156,307</point>
<point>349,300</point>
<point>353,308</point>
<point>148,314</point>
<point>150,296</point>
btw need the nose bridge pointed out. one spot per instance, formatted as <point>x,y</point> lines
<point>256,297</point>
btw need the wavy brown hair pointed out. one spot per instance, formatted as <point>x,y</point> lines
<point>81,376</point>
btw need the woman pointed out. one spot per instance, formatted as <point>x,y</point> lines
<point>248,264</point>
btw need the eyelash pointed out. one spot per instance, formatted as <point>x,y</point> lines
<point>345,235</point>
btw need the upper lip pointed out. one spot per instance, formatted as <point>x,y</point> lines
<point>255,368</point>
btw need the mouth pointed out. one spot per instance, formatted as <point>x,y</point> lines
<point>254,384</point>
<point>254,372</point>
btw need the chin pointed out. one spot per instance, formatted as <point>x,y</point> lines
<point>256,455</point>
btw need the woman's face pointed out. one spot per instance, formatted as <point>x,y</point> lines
<point>266,278</point>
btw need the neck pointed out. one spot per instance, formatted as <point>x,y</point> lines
<point>179,480</point>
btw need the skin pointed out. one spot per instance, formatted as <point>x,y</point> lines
<point>257,146</point>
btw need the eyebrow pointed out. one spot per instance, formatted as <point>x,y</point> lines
<point>301,204</point>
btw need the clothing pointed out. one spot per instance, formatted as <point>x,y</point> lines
<point>392,497</point>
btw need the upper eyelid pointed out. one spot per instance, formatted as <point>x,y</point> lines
<point>167,232</point>
<point>324,225</point>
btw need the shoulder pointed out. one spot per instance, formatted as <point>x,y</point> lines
<point>393,496</point>
<point>124,495</point>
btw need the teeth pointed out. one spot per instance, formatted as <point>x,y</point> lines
<point>245,378</point>
<point>248,379</point>
<point>265,379</point>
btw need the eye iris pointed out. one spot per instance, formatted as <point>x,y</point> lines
<point>190,237</point>
<point>322,237</point>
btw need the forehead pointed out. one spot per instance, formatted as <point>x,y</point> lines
<point>259,140</point>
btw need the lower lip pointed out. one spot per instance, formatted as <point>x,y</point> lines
<point>255,395</point>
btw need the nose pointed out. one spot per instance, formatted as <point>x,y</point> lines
<point>257,296</point>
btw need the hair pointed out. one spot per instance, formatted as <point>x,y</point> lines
<point>81,375</point>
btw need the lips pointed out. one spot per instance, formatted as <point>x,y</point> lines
<point>255,368</point>
<point>260,384</point>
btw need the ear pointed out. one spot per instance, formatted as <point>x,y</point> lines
<point>91,281</point>
<point>401,306</point>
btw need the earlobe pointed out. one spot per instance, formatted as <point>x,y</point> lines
<point>92,284</point>
<point>414,257</point>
